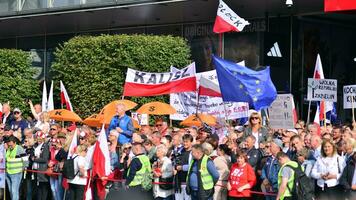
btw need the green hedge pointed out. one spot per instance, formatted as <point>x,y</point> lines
<point>16,79</point>
<point>93,68</point>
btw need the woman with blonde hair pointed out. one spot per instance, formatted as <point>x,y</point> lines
<point>43,122</point>
<point>327,171</point>
<point>256,129</point>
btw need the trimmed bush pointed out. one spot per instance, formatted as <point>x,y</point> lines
<point>16,79</point>
<point>93,68</point>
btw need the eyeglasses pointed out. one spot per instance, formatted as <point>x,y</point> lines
<point>81,138</point>
<point>127,148</point>
<point>159,125</point>
<point>53,129</point>
<point>16,113</point>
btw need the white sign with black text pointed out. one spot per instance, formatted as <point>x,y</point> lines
<point>349,96</point>
<point>322,89</point>
<point>281,112</point>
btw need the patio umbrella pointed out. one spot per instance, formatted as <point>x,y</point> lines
<point>97,120</point>
<point>196,120</point>
<point>156,108</point>
<point>64,115</point>
<point>109,110</point>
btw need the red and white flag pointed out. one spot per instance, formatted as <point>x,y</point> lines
<point>324,106</point>
<point>44,97</point>
<point>65,98</point>
<point>152,84</point>
<point>295,116</point>
<point>209,88</point>
<point>227,20</point>
<point>73,144</point>
<point>101,162</point>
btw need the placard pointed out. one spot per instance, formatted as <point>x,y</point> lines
<point>142,119</point>
<point>349,96</point>
<point>322,89</point>
<point>281,112</point>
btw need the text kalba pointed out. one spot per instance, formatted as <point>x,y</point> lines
<point>147,78</point>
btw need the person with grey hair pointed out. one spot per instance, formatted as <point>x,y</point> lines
<point>123,124</point>
<point>254,155</point>
<point>163,173</point>
<point>312,129</point>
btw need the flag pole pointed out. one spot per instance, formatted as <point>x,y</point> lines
<point>353,109</point>
<point>324,113</point>
<point>308,117</point>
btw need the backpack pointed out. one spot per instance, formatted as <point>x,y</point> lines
<point>68,168</point>
<point>303,186</point>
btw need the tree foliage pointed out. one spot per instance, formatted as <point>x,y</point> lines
<point>93,68</point>
<point>16,79</point>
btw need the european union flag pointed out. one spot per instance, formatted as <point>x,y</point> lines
<point>241,84</point>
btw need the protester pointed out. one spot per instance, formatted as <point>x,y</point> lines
<point>223,164</point>
<point>256,129</point>
<point>254,155</point>
<point>77,184</point>
<point>327,171</point>
<point>202,175</point>
<point>161,126</point>
<point>15,162</point>
<point>348,178</point>
<point>53,167</point>
<point>241,179</point>
<point>303,159</point>
<point>123,124</point>
<point>40,163</point>
<point>18,124</point>
<point>163,173</point>
<point>7,115</point>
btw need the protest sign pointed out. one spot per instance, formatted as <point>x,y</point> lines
<point>186,103</point>
<point>322,89</point>
<point>142,119</point>
<point>281,112</point>
<point>349,96</point>
<point>141,84</point>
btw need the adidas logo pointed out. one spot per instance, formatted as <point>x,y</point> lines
<point>274,52</point>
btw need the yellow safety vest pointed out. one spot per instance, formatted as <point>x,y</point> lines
<point>13,165</point>
<point>206,178</point>
<point>290,182</point>
<point>146,168</point>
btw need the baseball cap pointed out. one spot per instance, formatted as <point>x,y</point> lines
<point>17,110</point>
<point>293,130</point>
<point>239,128</point>
<point>278,142</point>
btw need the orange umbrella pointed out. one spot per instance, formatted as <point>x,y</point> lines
<point>156,108</point>
<point>109,110</point>
<point>93,121</point>
<point>196,120</point>
<point>64,115</point>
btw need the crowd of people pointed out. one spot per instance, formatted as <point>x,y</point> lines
<point>164,163</point>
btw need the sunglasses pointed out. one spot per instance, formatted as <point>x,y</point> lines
<point>2,128</point>
<point>254,118</point>
<point>159,125</point>
<point>16,113</point>
<point>81,138</point>
<point>53,129</point>
<point>127,148</point>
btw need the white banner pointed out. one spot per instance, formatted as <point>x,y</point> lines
<point>186,103</point>
<point>281,112</point>
<point>2,166</point>
<point>141,118</point>
<point>322,89</point>
<point>349,96</point>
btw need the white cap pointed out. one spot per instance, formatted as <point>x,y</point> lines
<point>293,130</point>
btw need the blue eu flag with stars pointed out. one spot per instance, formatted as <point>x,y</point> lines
<point>241,84</point>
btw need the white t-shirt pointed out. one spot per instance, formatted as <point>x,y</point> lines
<point>79,161</point>
<point>256,142</point>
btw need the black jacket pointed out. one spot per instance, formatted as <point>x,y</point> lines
<point>254,157</point>
<point>42,162</point>
<point>347,176</point>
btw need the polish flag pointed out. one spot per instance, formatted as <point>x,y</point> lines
<point>65,98</point>
<point>73,145</point>
<point>209,88</point>
<point>101,162</point>
<point>227,20</point>
<point>44,97</point>
<point>295,116</point>
<point>140,83</point>
<point>324,106</point>
<point>50,104</point>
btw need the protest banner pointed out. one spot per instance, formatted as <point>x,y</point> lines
<point>281,112</point>
<point>322,89</point>
<point>186,103</point>
<point>141,118</point>
<point>349,96</point>
<point>141,84</point>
